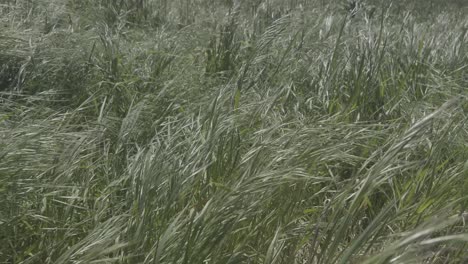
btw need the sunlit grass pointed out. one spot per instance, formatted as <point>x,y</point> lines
<point>227,132</point>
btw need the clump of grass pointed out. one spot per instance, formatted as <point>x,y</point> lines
<point>231,132</point>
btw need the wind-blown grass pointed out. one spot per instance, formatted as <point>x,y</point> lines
<point>225,132</point>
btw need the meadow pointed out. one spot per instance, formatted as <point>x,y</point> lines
<point>262,131</point>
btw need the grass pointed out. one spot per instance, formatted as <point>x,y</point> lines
<point>203,131</point>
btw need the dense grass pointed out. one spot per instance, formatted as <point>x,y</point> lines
<point>154,131</point>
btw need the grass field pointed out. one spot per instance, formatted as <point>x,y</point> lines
<point>262,131</point>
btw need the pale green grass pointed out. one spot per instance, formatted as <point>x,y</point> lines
<point>208,132</point>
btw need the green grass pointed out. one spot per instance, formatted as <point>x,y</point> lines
<point>157,131</point>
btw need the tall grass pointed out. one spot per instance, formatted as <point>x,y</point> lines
<point>232,132</point>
